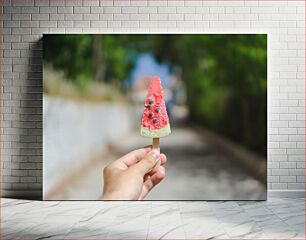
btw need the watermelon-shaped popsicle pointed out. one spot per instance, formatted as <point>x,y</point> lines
<point>155,121</point>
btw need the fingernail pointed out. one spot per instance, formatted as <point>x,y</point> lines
<point>155,154</point>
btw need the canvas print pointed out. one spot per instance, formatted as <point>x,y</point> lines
<point>154,117</point>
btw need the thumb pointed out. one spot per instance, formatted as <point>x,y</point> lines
<point>147,163</point>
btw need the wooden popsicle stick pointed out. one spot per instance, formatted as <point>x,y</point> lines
<point>155,144</point>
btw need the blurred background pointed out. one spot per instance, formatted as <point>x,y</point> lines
<point>215,88</point>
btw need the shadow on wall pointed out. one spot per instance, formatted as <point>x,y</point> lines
<point>29,143</point>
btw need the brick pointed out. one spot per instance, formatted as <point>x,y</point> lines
<point>193,3</point>
<point>296,172</point>
<point>139,3</point>
<point>290,116</point>
<point>47,24</point>
<point>279,124</point>
<point>166,10</point>
<point>73,3</point>
<point>113,24</point>
<point>73,16</point>
<point>50,10</point>
<point>41,3</point>
<point>296,151</point>
<point>112,10</point>
<point>273,179</point>
<point>279,186</point>
<point>300,179</point>
<point>296,123</point>
<point>185,24</point>
<point>11,10</point>
<point>27,179</point>
<point>148,24</point>
<point>299,157</point>
<point>221,24</point>
<point>167,24</point>
<point>30,24</point>
<point>288,179</point>
<point>11,24</point>
<point>81,10</point>
<point>21,16</point>
<point>286,9</point>
<point>176,17</point>
<point>21,31</point>
<point>229,17</point>
<point>287,165</point>
<point>81,24</point>
<point>280,172</point>
<point>288,131</point>
<point>64,24</point>
<point>278,158</point>
<point>261,10</point>
<point>130,24</point>
<point>90,3</point>
<point>230,3</point>
<point>202,10</point>
<point>96,10</point>
<point>11,179</point>
<point>158,3</point>
<point>139,17</point>
<point>105,17</point>
<point>98,24</point>
<point>300,144</point>
<point>296,186</point>
<point>193,17</point>
<point>129,10</point>
<point>6,172</point>
<point>19,173</point>
<point>241,10</point>
<point>6,17</point>
<point>273,165</point>
<point>91,16</point>
<point>11,53</point>
<point>186,10</point>
<point>33,173</point>
<point>121,17</point>
<point>122,3</point>
<point>106,3</point>
<point>57,17</point>
<point>40,16</point>
<point>64,10</point>
<point>147,9</point>
<point>160,17</point>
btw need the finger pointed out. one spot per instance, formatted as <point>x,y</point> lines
<point>152,181</point>
<point>135,156</point>
<point>147,163</point>
<point>161,162</point>
<point>163,159</point>
<point>155,168</point>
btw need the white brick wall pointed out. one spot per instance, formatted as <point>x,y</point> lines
<point>24,22</point>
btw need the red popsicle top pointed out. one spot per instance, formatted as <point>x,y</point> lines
<point>155,114</point>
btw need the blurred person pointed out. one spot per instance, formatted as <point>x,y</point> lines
<point>134,175</point>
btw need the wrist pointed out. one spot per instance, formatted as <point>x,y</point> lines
<point>109,196</point>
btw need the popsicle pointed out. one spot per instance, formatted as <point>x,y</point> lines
<point>155,120</point>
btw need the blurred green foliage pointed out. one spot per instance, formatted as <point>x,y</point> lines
<point>225,74</point>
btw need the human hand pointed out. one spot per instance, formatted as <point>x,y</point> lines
<point>134,175</point>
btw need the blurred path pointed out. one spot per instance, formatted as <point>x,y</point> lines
<point>196,172</point>
<point>193,171</point>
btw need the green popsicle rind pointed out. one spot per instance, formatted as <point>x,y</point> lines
<point>159,133</point>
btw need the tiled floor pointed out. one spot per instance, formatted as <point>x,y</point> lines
<point>273,219</point>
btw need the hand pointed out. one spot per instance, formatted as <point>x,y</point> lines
<point>134,175</point>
